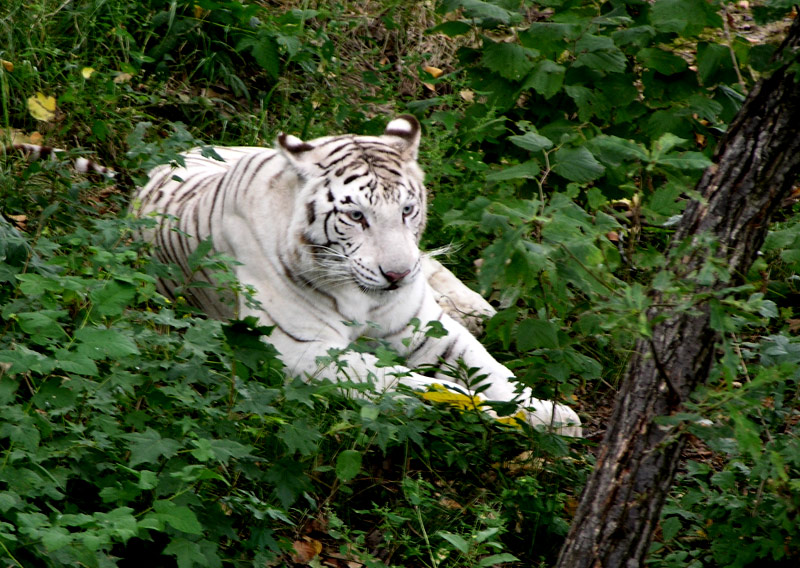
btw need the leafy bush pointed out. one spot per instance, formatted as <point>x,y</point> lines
<point>562,140</point>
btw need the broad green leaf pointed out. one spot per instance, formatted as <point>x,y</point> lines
<point>525,170</point>
<point>531,141</point>
<point>547,78</point>
<point>599,53</point>
<point>484,10</point>
<point>43,324</point>
<point>685,17</point>
<point>590,102</point>
<point>451,28</point>
<point>179,517</point>
<point>614,150</point>
<point>536,334</point>
<point>747,435</point>
<point>509,60</point>
<point>670,527</point>
<point>20,429</point>
<point>300,436</point>
<point>265,52</point>
<point>220,449</point>
<point>75,362</point>
<point>458,542</point>
<point>112,299</point>
<point>187,553</point>
<point>665,143</point>
<point>120,522</point>
<point>497,559</point>
<point>711,59</point>
<point>149,447</point>
<point>99,343</point>
<point>289,479</point>
<point>348,464</point>
<point>197,257</point>
<point>685,160</point>
<point>55,538</point>
<point>577,164</point>
<point>661,60</point>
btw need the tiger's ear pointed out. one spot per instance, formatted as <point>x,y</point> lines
<point>405,133</point>
<point>296,151</point>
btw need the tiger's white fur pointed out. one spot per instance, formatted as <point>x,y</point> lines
<point>326,232</point>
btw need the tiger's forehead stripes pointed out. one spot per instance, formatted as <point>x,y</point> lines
<point>356,158</point>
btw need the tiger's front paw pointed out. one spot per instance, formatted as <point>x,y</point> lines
<point>462,304</point>
<point>545,412</point>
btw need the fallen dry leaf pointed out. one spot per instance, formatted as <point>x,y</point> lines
<point>434,72</point>
<point>42,107</point>
<point>305,550</point>
<point>7,65</point>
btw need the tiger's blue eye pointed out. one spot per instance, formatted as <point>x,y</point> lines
<point>356,216</point>
<point>408,209</point>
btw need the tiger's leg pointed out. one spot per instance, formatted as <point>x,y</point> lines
<point>461,346</point>
<point>455,298</point>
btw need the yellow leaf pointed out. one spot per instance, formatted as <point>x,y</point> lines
<point>42,107</point>
<point>122,78</point>
<point>7,65</point>
<point>440,394</point>
<point>434,72</point>
<point>87,72</point>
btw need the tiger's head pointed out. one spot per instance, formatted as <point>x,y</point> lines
<point>361,207</point>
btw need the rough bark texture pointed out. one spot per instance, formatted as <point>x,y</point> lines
<point>754,168</point>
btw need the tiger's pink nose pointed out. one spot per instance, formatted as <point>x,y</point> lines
<point>394,277</point>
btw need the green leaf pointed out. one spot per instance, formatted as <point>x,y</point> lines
<point>711,58</point>
<point>179,517</point>
<point>480,10</point>
<point>112,298</point>
<point>55,538</point>
<point>74,362</point>
<point>665,143</point>
<point>509,60</point>
<point>614,150</point>
<point>599,53</point>
<point>525,170</point>
<point>665,62</point>
<point>546,79</point>
<point>670,527</point>
<point>747,435</point>
<point>497,559</point>
<point>187,553</point>
<point>348,465</point>
<point>290,480</point>
<point>220,449</point>
<point>300,436</point>
<point>685,17</point>
<point>535,334</point>
<point>196,258</point>
<point>100,343</point>
<point>685,161</point>
<point>265,52</point>
<point>451,28</point>
<point>458,542</point>
<point>149,447</point>
<point>577,164</point>
<point>531,141</point>
<point>42,324</point>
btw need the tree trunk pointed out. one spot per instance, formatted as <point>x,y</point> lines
<point>755,166</point>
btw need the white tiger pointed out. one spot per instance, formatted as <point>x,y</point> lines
<point>326,232</point>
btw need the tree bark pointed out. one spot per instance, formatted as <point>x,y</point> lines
<point>755,167</point>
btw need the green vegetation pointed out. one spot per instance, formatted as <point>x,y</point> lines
<point>562,139</point>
